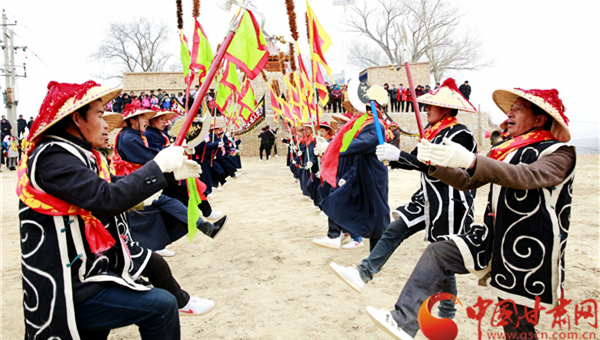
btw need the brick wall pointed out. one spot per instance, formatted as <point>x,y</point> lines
<point>379,75</point>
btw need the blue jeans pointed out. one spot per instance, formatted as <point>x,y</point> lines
<point>154,312</point>
<point>391,239</point>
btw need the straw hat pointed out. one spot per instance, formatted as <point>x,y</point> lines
<point>169,114</point>
<point>325,125</point>
<point>448,96</point>
<point>62,99</point>
<point>131,111</point>
<point>547,100</point>
<point>346,117</point>
<point>113,119</point>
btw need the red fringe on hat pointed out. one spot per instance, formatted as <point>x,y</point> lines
<point>57,96</point>
<point>129,109</point>
<point>450,83</point>
<point>551,97</point>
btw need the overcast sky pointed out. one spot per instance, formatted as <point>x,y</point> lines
<point>534,44</point>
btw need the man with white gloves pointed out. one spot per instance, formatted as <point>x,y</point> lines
<point>436,207</point>
<point>519,249</point>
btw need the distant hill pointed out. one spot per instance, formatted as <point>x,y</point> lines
<point>587,145</point>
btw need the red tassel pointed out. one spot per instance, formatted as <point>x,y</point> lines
<point>550,97</point>
<point>56,97</point>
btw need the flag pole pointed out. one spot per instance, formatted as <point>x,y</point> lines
<point>413,97</point>
<point>209,77</point>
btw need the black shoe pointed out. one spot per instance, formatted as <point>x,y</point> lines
<point>219,225</point>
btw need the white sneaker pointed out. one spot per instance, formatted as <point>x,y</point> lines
<point>165,252</point>
<point>215,215</point>
<point>309,199</point>
<point>197,306</point>
<point>260,160</point>
<point>225,184</point>
<point>349,275</point>
<point>219,189</point>
<point>237,175</point>
<point>333,243</point>
<point>395,214</point>
<point>210,196</point>
<point>345,236</point>
<point>384,320</point>
<point>322,213</point>
<point>353,244</point>
<point>276,156</point>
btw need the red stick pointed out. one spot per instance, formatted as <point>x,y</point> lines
<point>413,96</point>
<point>203,89</point>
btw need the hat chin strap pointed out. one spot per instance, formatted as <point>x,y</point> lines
<point>78,131</point>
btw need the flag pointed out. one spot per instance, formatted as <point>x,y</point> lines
<point>185,56</point>
<point>193,212</point>
<point>248,48</point>
<point>319,40</point>
<point>257,117</point>
<point>274,101</point>
<point>229,85</point>
<point>202,55</point>
<point>294,100</point>
<point>287,113</point>
<point>246,101</point>
<point>319,82</point>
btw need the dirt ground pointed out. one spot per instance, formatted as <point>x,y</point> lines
<point>269,281</point>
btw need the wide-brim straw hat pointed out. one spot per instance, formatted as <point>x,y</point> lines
<point>448,96</point>
<point>113,119</point>
<point>325,125</point>
<point>73,97</point>
<point>169,114</point>
<point>547,100</point>
<point>342,118</point>
<point>131,111</point>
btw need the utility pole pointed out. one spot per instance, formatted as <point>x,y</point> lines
<point>10,74</point>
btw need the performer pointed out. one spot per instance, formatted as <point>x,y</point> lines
<point>222,165</point>
<point>166,220</point>
<point>436,207</point>
<point>158,140</point>
<point>265,143</point>
<point>521,244</point>
<point>359,205</point>
<point>78,261</point>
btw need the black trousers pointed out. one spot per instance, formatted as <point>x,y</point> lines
<point>337,105</point>
<point>266,148</point>
<point>394,106</point>
<point>159,274</point>
<point>275,149</point>
<point>440,261</point>
<point>401,106</point>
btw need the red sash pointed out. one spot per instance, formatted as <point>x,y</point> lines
<point>501,151</point>
<point>98,238</point>
<point>119,166</point>
<point>436,128</point>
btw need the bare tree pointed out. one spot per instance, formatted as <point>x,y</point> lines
<point>431,29</point>
<point>136,45</point>
<point>365,54</point>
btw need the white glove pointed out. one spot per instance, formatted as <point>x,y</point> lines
<point>341,182</point>
<point>148,201</point>
<point>189,169</point>
<point>318,174</point>
<point>294,162</point>
<point>190,151</point>
<point>452,155</point>
<point>170,159</point>
<point>221,144</point>
<point>321,146</point>
<point>299,153</point>
<point>387,152</point>
<point>308,165</point>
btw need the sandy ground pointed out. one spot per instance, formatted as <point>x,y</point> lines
<point>270,282</point>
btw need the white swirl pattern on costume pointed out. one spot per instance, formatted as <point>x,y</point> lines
<point>528,255</point>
